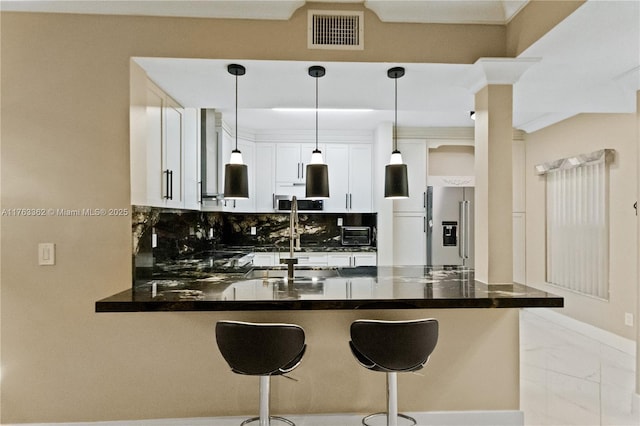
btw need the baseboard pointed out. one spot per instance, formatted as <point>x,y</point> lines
<point>440,418</point>
<point>605,337</point>
<point>635,409</point>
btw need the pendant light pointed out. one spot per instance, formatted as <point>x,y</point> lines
<point>396,182</point>
<point>236,180</point>
<point>317,182</point>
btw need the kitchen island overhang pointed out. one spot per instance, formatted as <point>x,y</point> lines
<point>352,288</point>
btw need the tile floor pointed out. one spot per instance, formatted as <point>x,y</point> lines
<point>568,378</point>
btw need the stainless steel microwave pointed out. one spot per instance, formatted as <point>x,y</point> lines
<point>356,236</point>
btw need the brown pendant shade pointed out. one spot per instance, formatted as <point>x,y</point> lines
<point>317,184</point>
<point>236,181</point>
<point>396,182</point>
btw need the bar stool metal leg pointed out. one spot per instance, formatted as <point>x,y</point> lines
<point>264,400</point>
<point>392,399</point>
<point>392,404</point>
<point>265,418</point>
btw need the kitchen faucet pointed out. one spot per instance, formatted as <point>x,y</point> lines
<point>294,237</point>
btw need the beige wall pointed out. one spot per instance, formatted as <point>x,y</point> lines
<point>582,134</point>
<point>65,144</point>
<point>451,160</point>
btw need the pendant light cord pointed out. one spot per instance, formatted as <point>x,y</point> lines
<point>316,113</point>
<point>236,112</point>
<point>395,122</point>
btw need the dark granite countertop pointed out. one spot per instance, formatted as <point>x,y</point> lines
<point>348,288</point>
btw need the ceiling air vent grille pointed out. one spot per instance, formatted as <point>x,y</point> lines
<point>335,30</point>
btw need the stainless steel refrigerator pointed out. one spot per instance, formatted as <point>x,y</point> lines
<point>450,225</point>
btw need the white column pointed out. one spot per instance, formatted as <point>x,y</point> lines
<point>494,185</point>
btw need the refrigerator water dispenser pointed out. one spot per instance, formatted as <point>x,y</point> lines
<point>450,233</point>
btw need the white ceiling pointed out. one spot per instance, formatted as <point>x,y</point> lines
<point>589,63</point>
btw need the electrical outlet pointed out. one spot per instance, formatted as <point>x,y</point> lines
<point>628,319</point>
<point>46,254</point>
<point>339,221</point>
<point>253,230</point>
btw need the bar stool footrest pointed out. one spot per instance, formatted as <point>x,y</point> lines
<point>277,418</point>
<point>403,416</point>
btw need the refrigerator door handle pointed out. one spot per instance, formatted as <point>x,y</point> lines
<point>463,247</point>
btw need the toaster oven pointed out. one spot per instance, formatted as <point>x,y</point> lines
<point>355,235</point>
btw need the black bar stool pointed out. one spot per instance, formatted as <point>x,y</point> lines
<point>393,347</point>
<point>263,350</point>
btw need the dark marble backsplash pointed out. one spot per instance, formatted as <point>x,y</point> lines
<point>167,242</point>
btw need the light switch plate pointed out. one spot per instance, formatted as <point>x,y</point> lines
<point>46,254</point>
<point>628,319</point>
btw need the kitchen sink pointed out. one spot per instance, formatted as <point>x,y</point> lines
<point>297,273</point>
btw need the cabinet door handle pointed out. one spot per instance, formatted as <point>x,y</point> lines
<point>350,201</point>
<point>302,170</point>
<point>424,224</point>
<point>274,200</point>
<point>171,186</point>
<point>166,183</point>
<point>200,195</point>
<point>424,200</point>
<point>346,201</point>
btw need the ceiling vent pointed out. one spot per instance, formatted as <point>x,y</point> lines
<point>338,30</point>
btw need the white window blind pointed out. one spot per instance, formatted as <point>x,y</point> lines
<point>578,223</point>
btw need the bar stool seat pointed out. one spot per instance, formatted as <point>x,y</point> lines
<point>261,349</point>
<point>393,347</point>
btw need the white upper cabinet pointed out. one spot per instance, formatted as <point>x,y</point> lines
<point>360,178</point>
<point>165,136</point>
<point>192,172</point>
<point>350,182</point>
<point>265,177</point>
<point>337,159</point>
<point>291,161</point>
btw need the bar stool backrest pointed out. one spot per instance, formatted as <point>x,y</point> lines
<point>260,349</point>
<point>395,345</point>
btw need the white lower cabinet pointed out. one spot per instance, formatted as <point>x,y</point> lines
<point>334,259</point>
<point>339,259</point>
<point>265,259</point>
<point>309,258</point>
<point>352,259</point>
<point>365,259</point>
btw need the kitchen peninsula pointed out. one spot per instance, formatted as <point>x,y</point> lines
<point>197,268</point>
<point>327,288</point>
